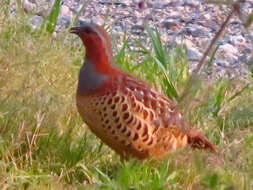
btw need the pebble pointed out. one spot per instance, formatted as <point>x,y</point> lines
<point>137,29</point>
<point>28,6</point>
<point>63,22</point>
<point>65,10</point>
<point>237,40</point>
<point>196,31</point>
<point>170,25</point>
<point>36,21</point>
<point>194,55</point>
<point>228,52</point>
<point>221,63</point>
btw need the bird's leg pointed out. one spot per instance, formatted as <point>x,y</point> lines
<point>124,157</point>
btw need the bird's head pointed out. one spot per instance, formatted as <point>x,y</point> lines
<point>89,31</point>
<point>97,45</point>
<point>94,37</point>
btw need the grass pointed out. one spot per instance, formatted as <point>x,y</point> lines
<point>45,145</point>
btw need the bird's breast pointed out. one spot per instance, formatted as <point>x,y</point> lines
<point>89,79</point>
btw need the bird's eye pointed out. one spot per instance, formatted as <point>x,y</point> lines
<point>88,30</point>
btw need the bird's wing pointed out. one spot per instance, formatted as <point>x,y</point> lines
<point>150,104</point>
<point>145,117</point>
<point>140,118</point>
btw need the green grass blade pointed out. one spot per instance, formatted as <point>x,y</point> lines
<point>237,94</point>
<point>240,118</point>
<point>5,7</point>
<point>121,54</point>
<point>53,16</point>
<point>219,97</point>
<point>171,90</point>
<point>157,45</point>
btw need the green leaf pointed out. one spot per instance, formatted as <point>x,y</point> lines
<point>53,16</point>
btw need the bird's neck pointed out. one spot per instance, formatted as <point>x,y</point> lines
<point>101,57</point>
<point>97,68</point>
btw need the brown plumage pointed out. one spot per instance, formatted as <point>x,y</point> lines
<point>124,112</point>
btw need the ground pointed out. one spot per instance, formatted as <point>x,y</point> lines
<point>45,145</point>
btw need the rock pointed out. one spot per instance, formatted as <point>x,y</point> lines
<point>228,49</point>
<point>221,63</point>
<point>28,6</point>
<point>194,55</point>
<point>237,40</point>
<point>189,43</point>
<point>100,20</point>
<point>75,8</point>
<point>210,24</point>
<point>117,28</point>
<point>227,52</point>
<point>196,31</point>
<point>63,22</point>
<point>124,5</point>
<point>192,3</point>
<point>203,43</point>
<point>158,4</point>
<point>137,29</point>
<point>170,24</point>
<point>187,20</point>
<point>36,21</point>
<point>243,58</point>
<point>65,11</point>
<point>235,22</point>
<point>81,21</point>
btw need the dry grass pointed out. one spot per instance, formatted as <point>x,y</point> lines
<point>45,145</point>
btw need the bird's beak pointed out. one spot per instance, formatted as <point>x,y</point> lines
<point>75,30</point>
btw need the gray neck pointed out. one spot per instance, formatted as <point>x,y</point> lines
<point>89,78</point>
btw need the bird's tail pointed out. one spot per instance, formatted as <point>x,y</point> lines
<point>198,140</point>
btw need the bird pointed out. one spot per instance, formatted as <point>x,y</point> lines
<point>126,113</point>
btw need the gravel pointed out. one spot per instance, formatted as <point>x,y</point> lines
<point>190,22</point>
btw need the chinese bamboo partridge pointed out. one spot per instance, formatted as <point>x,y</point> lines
<point>124,112</point>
